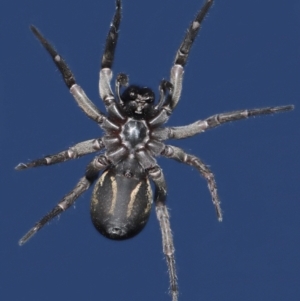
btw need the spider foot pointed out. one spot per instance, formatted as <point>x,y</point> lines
<point>21,166</point>
<point>28,235</point>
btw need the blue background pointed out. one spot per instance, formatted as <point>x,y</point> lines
<point>247,56</point>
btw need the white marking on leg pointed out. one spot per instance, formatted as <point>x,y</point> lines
<point>57,58</point>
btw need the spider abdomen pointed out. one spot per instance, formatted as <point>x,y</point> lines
<point>121,202</point>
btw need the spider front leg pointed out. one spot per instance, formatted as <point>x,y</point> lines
<point>84,183</point>
<point>163,217</point>
<point>108,58</point>
<point>81,98</point>
<point>75,151</point>
<point>182,54</point>
<point>106,74</point>
<point>178,154</point>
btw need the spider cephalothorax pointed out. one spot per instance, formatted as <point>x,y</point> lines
<point>134,135</point>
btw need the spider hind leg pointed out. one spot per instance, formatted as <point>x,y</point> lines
<point>84,183</point>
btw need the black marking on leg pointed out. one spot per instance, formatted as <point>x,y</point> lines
<point>112,38</point>
<point>58,60</point>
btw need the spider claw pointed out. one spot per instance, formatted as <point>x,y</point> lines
<point>28,235</point>
<point>21,166</point>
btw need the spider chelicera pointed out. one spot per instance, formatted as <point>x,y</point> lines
<point>133,137</point>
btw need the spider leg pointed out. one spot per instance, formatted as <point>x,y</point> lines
<point>106,73</point>
<point>99,163</point>
<point>163,217</point>
<point>216,120</point>
<point>182,54</point>
<point>75,151</point>
<point>112,38</point>
<point>81,98</point>
<point>108,57</point>
<point>178,154</point>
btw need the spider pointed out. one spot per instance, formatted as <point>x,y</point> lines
<point>133,136</point>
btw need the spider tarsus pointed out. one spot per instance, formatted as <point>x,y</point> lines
<point>267,110</point>
<point>202,13</point>
<point>191,34</point>
<point>34,30</point>
<point>112,38</point>
<point>285,108</point>
<point>21,166</point>
<point>219,212</point>
<point>27,236</point>
<point>58,60</point>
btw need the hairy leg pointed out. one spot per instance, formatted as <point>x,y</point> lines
<point>178,154</point>
<point>84,183</point>
<point>164,221</point>
<point>75,151</point>
<point>81,98</point>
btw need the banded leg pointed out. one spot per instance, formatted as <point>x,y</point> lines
<point>108,57</point>
<point>200,126</point>
<point>75,151</point>
<point>182,54</point>
<point>84,183</point>
<point>178,154</point>
<point>81,98</point>
<point>163,217</point>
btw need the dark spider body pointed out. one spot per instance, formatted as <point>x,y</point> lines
<point>122,197</point>
<point>134,136</point>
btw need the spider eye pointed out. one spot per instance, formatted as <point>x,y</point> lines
<point>132,94</point>
<point>149,97</point>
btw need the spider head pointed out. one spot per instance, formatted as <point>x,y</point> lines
<point>138,102</point>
